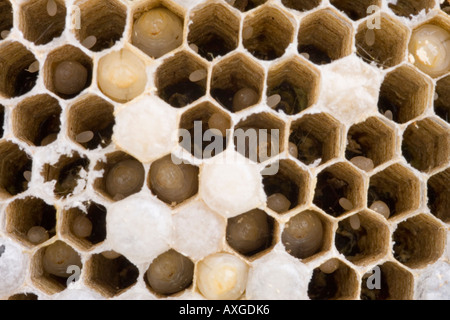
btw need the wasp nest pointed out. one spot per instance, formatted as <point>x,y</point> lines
<point>107,192</point>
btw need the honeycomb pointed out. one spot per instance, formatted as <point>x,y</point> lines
<point>332,86</point>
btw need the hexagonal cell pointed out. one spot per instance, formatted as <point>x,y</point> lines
<point>245,5</point>
<point>396,187</point>
<point>170,273</point>
<point>333,280</point>
<point>204,130</point>
<point>36,120</point>
<point>6,18</point>
<point>17,77</point>
<point>173,180</point>
<point>70,173</point>
<point>214,31</point>
<point>395,283</point>
<point>182,79</point>
<point>84,228</point>
<point>439,195</point>
<point>91,122</point>
<point>419,241</point>
<point>408,8</point>
<point>24,296</point>
<point>363,238</point>
<point>267,33</point>
<point>426,145</point>
<point>42,20</point>
<point>50,264</point>
<point>301,5</point>
<point>404,94</point>
<point>68,71</point>
<point>356,10</point>
<point>31,220</point>
<point>371,139</point>
<point>442,99</point>
<point>101,23</point>
<point>15,169</point>
<point>286,189</point>
<point>122,176</point>
<point>110,277</point>
<point>325,36</point>
<point>316,137</point>
<point>339,189</point>
<point>384,46</point>
<point>297,84</point>
<point>237,82</point>
<point>306,235</point>
<point>251,233</point>
<point>158,27</point>
<point>259,137</point>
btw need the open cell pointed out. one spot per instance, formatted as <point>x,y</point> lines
<point>214,31</point>
<point>305,5</point>
<point>426,145</point>
<point>267,33</point>
<point>6,18</point>
<point>237,82</point>
<point>316,137</point>
<point>358,9</point>
<point>41,21</point>
<point>36,120</point>
<point>101,23</point>
<point>15,169</point>
<point>296,83</point>
<point>91,122</point>
<point>16,78</point>
<point>419,241</point>
<point>24,296</point>
<point>442,99</point>
<point>384,46</point>
<point>245,5</point>
<point>439,195</point>
<point>31,220</point>
<point>325,36</point>
<point>182,79</point>
<point>408,8</point>
<point>404,95</point>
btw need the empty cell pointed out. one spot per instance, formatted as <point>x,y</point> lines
<point>6,18</point>
<point>340,284</point>
<point>389,281</point>
<point>404,94</point>
<point>174,82</point>
<point>338,184</point>
<point>408,8</point>
<point>70,173</point>
<point>267,33</point>
<point>14,162</point>
<point>362,238</point>
<point>101,23</point>
<point>370,143</point>
<point>316,137</point>
<point>325,36</point>
<point>68,71</point>
<point>304,5</point>
<point>358,9</point>
<point>214,31</point>
<point>442,99</point>
<point>36,120</point>
<point>237,82</point>
<point>388,44</point>
<point>419,241</point>
<point>426,145</point>
<point>439,195</point>
<point>296,83</point>
<point>245,5</point>
<point>110,277</point>
<point>41,21</point>
<point>31,220</point>
<point>91,122</point>
<point>16,79</point>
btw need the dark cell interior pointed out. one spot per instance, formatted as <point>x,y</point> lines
<point>348,241</point>
<point>281,183</point>
<point>293,100</point>
<point>322,286</point>
<point>316,55</point>
<point>374,294</point>
<point>329,190</point>
<point>309,148</point>
<point>181,94</point>
<point>377,194</point>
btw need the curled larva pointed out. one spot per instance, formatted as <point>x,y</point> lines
<point>158,32</point>
<point>248,232</point>
<point>244,98</point>
<point>70,77</point>
<point>173,183</point>
<point>222,276</point>
<point>170,273</point>
<point>278,203</point>
<point>303,235</point>
<point>58,257</point>
<point>82,227</point>
<point>37,235</point>
<point>125,178</point>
